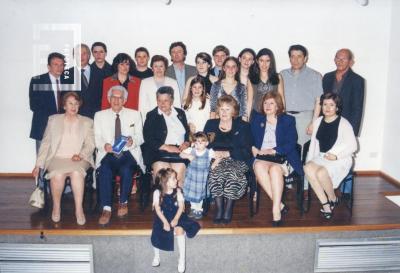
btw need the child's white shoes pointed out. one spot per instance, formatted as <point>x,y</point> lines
<point>156,262</point>
<point>181,266</point>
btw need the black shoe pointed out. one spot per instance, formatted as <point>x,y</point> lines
<point>285,209</point>
<point>334,203</point>
<point>326,214</point>
<point>277,223</point>
<point>217,221</point>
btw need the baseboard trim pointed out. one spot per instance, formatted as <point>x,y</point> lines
<point>368,173</point>
<point>16,175</point>
<point>390,179</point>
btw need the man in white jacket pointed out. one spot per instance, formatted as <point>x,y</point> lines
<point>110,126</point>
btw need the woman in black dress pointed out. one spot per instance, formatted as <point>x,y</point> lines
<point>231,140</point>
<point>166,135</point>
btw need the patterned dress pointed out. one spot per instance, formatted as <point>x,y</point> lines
<point>228,178</point>
<point>194,189</point>
<point>239,93</point>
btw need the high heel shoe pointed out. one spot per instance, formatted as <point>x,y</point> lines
<point>56,217</point>
<point>277,223</point>
<point>284,209</point>
<point>334,203</point>
<point>326,214</point>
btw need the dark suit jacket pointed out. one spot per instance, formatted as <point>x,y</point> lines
<point>91,95</point>
<point>242,139</point>
<point>190,71</point>
<point>155,133</point>
<point>352,95</point>
<point>286,137</point>
<point>42,102</point>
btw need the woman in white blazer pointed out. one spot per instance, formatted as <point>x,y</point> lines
<point>330,156</point>
<point>67,150</point>
<point>149,86</point>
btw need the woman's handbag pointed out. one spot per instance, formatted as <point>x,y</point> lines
<point>37,197</point>
<point>276,158</point>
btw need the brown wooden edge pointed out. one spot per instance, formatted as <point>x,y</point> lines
<point>205,231</point>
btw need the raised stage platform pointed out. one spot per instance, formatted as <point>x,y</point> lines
<point>246,245</point>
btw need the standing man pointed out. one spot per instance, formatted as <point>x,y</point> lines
<point>109,126</point>
<point>179,70</point>
<point>100,65</point>
<point>142,57</point>
<point>349,86</point>
<point>220,53</point>
<point>45,95</point>
<point>90,88</point>
<point>303,87</point>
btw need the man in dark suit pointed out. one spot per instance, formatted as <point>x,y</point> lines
<point>180,71</point>
<point>350,87</point>
<point>88,82</point>
<point>45,95</point>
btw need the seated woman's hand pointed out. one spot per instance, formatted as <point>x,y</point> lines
<point>221,154</point>
<point>184,146</point>
<point>76,158</point>
<point>267,152</point>
<point>255,151</point>
<point>170,148</point>
<point>330,156</point>
<point>35,172</point>
<point>166,226</point>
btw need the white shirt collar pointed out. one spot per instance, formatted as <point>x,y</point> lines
<point>53,79</point>
<point>173,112</point>
<point>87,67</point>
<point>120,112</point>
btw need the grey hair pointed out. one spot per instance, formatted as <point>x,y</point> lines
<point>168,90</point>
<point>119,88</point>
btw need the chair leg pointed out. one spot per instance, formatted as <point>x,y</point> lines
<point>258,199</point>
<point>253,189</point>
<point>300,194</point>
<point>307,208</point>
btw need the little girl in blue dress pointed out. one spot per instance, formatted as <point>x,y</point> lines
<point>170,218</point>
<point>195,186</point>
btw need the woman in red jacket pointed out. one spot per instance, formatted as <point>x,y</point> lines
<point>121,65</point>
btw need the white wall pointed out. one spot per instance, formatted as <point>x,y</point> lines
<point>391,147</point>
<point>322,26</point>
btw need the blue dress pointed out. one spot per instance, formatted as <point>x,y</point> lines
<point>194,189</point>
<point>164,240</point>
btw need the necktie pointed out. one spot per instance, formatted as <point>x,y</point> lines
<point>117,133</point>
<point>84,79</point>
<point>59,104</point>
<point>117,128</point>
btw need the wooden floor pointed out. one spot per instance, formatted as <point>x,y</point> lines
<point>371,211</point>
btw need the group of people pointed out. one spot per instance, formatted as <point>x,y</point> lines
<point>200,129</point>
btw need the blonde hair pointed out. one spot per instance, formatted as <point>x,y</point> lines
<point>231,101</point>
